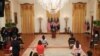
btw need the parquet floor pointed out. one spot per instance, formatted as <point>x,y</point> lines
<point>56,46</point>
<point>28,38</point>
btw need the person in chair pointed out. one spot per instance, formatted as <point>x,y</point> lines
<point>71,41</point>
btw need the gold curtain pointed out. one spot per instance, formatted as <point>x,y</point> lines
<point>55,15</point>
<point>27,14</point>
<point>79,14</point>
<point>98,11</point>
<point>7,13</point>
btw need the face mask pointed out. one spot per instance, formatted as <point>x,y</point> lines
<point>96,35</point>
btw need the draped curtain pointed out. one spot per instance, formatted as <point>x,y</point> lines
<point>7,13</point>
<point>55,15</point>
<point>98,11</point>
<point>79,15</point>
<point>27,14</point>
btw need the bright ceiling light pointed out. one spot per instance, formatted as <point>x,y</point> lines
<point>52,6</point>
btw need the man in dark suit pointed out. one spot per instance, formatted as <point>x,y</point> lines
<point>53,30</point>
<point>15,31</point>
<point>71,41</point>
<point>3,30</point>
<point>89,53</point>
<point>15,47</point>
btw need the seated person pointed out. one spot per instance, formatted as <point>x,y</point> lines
<point>96,37</point>
<point>40,48</point>
<point>31,53</point>
<point>76,51</point>
<point>20,41</point>
<point>71,41</point>
<point>1,44</point>
<point>35,54</point>
<point>89,53</point>
<point>94,41</point>
<point>44,41</point>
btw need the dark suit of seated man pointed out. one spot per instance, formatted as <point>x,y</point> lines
<point>71,41</point>
<point>1,44</point>
<point>89,53</point>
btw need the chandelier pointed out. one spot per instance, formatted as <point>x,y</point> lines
<point>52,6</point>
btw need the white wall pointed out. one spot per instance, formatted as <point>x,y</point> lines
<point>2,22</point>
<point>92,5</point>
<point>15,7</point>
<point>94,8</point>
<point>66,11</point>
<point>26,1</point>
<point>12,4</point>
<point>40,12</point>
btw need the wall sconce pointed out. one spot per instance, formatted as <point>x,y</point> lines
<point>40,20</point>
<point>66,21</point>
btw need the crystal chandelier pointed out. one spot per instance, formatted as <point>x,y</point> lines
<point>52,6</point>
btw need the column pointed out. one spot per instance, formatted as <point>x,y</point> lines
<point>2,22</point>
<point>12,10</point>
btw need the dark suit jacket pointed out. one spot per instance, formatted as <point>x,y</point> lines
<point>16,46</point>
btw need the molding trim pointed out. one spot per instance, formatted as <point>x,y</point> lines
<point>43,33</point>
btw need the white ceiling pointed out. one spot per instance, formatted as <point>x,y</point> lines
<point>32,1</point>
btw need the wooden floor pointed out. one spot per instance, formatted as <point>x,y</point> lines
<point>85,41</point>
<point>28,38</point>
